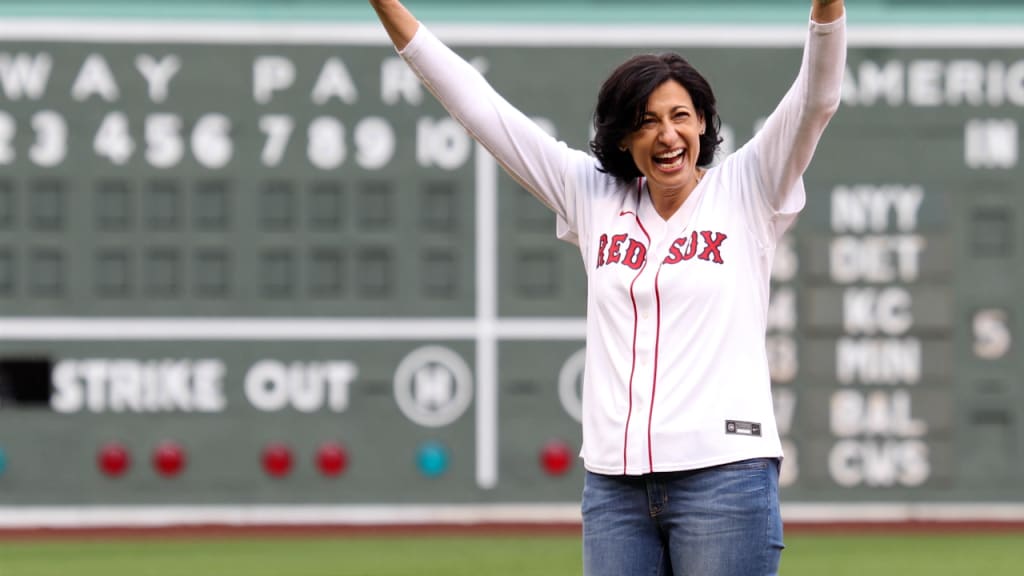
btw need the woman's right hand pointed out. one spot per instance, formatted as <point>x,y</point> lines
<point>399,23</point>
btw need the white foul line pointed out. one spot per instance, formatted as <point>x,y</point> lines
<point>35,517</point>
<point>127,31</point>
<point>95,517</point>
<point>48,329</point>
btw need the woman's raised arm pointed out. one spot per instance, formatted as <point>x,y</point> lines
<point>532,157</point>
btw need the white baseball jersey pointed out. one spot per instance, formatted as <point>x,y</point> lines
<point>676,372</point>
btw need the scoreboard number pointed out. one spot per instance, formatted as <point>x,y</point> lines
<point>992,337</point>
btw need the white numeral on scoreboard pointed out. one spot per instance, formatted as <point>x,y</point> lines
<point>326,146</point>
<point>164,148</point>
<point>211,141</point>
<point>278,129</point>
<point>8,129</point>
<point>113,140</point>
<point>51,145</point>
<point>375,143</point>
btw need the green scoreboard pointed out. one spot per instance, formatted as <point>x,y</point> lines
<point>256,267</point>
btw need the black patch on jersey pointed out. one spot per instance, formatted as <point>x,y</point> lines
<point>743,428</point>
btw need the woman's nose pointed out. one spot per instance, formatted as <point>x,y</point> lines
<point>666,132</point>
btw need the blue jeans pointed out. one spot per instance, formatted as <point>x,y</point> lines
<point>719,521</point>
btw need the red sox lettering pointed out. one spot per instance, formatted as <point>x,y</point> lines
<point>685,248</point>
<point>621,249</point>
<point>611,251</point>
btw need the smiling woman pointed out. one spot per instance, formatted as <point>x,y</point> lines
<point>680,442</point>
<point>656,118</point>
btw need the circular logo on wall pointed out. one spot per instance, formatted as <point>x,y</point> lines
<point>433,386</point>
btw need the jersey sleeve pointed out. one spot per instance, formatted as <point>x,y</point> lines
<point>785,144</point>
<point>536,160</point>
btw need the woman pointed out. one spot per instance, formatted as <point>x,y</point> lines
<point>679,437</point>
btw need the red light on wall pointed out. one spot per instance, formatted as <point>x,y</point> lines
<point>331,459</point>
<point>277,460</point>
<point>169,459</point>
<point>113,459</point>
<point>555,458</point>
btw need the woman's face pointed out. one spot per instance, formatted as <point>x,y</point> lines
<point>666,146</point>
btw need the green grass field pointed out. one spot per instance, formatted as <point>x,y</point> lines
<point>806,555</point>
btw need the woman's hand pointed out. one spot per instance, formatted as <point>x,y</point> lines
<point>399,23</point>
<point>826,10</point>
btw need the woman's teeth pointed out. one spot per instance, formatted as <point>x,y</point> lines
<point>672,159</point>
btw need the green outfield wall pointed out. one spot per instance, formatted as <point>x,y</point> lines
<point>255,274</point>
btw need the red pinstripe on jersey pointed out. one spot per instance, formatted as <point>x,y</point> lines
<point>636,322</point>
<point>654,380</point>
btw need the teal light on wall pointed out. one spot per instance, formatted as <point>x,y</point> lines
<point>432,459</point>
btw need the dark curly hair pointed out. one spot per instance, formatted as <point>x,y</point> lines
<point>622,102</point>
